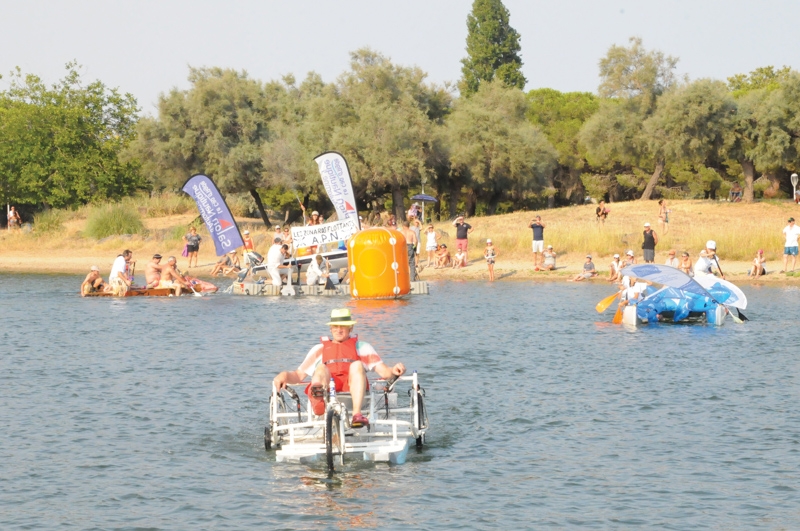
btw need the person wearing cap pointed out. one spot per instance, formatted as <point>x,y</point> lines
<point>538,240</point>
<point>315,218</point>
<point>549,259</point>
<point>278,232</point>
<point>672,260</point>
<point>629,259</point>
<point>708,260</point>
<point>758,268</point>
<point>588,272</point>
<point>152,271</point>
<point>791,233</point>
<point>192,241</point>
<point>93,283</point>
<point>343,358</point>
<point>490,253</point>
<point>414,211</point>
<point>649,244</point>
<point>614,269</point>
<point>462,231</point>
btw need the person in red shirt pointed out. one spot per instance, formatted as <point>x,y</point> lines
<point>344,358</point>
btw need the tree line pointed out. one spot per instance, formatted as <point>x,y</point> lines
<point>490,148</point>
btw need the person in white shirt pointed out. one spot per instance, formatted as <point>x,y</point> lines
<point>318,271</point>
<point>275,258</point>
<point>708,260</point>
<point>672,260</point>
<point>791,233</point>
<point>118,278</point>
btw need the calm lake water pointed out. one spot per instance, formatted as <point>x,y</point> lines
<point>149,413</point>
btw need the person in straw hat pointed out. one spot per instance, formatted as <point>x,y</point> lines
<point>344,358</point>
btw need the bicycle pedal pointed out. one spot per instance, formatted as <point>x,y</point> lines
<point>317,391</point>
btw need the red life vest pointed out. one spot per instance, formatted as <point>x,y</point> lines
<point>338,356</point>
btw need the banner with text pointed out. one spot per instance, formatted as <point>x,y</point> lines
<point>336,178</point>
<point>215,213</point>
<point>325,233</point>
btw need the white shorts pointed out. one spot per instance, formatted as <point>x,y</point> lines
<point>538,246</point>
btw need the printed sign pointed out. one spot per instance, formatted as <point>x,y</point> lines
<point>336,179</point>
<point>215,213</point>
<point>325,233</point>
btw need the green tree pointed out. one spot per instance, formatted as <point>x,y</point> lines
<point>60,144</point>
<point>765,77</point>
<point>492,48</point>
<point>217,127</point>
<point>636,78</point>
<point>504,155</point>
<point>560,116</point>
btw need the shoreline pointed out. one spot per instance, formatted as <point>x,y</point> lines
<point>476,271</point>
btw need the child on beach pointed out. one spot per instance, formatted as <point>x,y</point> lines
<point>430,245</point>
<point>459,259</point>
<point>490,253</point>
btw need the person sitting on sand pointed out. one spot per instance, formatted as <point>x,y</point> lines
<point>758,265</point>
<point>685,264</point>
<point>630,259</point>
<point>171,278</point>
<point>459,259</point>
<point>549,259</point>
<point>227,264</point>
<point>614,269</point>
<point>93,283</point>
<point>442,257</point>
<point>152,272</point>
<point>588,272</point>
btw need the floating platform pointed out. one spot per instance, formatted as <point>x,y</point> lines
<point>253,288</point>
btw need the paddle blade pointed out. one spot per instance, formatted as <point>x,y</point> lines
<point>618,316</point>
<point>605,303</point>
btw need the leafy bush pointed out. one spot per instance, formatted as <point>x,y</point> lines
<point>49,221</point>
<point>113,219</point>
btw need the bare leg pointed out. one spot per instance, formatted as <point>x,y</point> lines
<point>321,376</point>
<point>357,380</point>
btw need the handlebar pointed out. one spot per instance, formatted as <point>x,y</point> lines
<point>389,385</point>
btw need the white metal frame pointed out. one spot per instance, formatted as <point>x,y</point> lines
<point>387,439</point>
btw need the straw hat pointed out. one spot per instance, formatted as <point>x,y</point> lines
<point>341,317</point>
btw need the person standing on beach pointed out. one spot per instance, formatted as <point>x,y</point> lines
<point>416,226</point>
<point>430,245</point>
<point>602,212</point>
<point>462,231</point>
<point>663,216</point>
<point>192,240</point>
<point>411,246</point>
<point>490,253</point>
<point>791,233</point>
<point>14,221</point>
<point>649,244</point>
<point>538,241</point>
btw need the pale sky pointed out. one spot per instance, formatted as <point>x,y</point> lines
<point>144,46</point>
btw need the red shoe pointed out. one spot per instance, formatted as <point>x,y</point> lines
<point>317,398</point>
<point>359,421</point>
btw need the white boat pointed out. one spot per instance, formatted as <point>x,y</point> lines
<point>297,435</point>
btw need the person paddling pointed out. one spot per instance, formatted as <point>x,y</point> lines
<point>343,358</point>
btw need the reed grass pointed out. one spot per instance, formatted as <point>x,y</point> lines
<point>113,219</point>
<point>49,221</point>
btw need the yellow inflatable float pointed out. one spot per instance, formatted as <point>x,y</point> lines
<point>378,264</point>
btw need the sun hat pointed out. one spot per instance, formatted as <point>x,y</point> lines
<point>489,241</point>
<point>247,232</point>
<point>646,224</point>
<point>629,253</point>
<point>157,256</point>
<point>95,268</point>
<point>315,213</point>
<point>761,251</point>
<point>278,227</point>
<point>549,246</point>
<point>616,256</point>
<point>341,317</point>
<point>711,244</point>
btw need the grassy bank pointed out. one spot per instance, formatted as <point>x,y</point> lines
<point>63,244</point>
